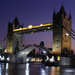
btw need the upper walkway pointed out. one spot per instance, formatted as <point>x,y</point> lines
<point>37,28</point>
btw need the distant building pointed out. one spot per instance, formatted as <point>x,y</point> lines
<point>42,43</point>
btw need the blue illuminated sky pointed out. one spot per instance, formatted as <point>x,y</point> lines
<point>33,12</point>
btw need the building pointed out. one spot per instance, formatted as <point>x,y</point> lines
<point>61,27</point>
<point>15,40</point>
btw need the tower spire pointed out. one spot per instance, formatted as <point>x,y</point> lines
<point>70,15</point>
<point>62,11</point>
<point>54,12</point>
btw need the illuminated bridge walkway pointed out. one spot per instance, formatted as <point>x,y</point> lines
<point>37,28</point>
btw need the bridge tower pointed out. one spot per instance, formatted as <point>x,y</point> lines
<point>61,38</point>
<point>15,40</point>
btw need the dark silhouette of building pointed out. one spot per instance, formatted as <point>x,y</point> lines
<point>42,43</point>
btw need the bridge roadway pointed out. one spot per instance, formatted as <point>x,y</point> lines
<point>33,29</point>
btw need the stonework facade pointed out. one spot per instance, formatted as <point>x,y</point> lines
<point>15,40</point>
<point>61,31</point>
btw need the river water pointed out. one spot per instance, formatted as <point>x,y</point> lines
<point>34,69</point>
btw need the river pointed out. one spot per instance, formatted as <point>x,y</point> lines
<point>34,69</point>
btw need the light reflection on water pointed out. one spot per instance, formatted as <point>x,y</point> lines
<point>34,69</point>
<point>27,69</point>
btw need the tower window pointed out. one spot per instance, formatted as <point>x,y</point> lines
<point>58,40</point>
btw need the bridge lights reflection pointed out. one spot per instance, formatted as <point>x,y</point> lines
<point>27,69</point>
<point>43,72</point>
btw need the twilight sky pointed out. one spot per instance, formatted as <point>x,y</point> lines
<point>33,12</point>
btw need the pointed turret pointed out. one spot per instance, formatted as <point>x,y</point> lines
<point>22,24</point>
<point>16,22</point>
<point>54,15</point>
<point>9,22</point>
<point>54,12</point>
<point>70,15</point>
<point>62,11</point>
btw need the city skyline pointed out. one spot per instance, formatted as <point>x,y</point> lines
<point>34,13</point>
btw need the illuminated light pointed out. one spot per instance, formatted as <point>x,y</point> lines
<point>47,58</point>
<point>43,71</point>
<point>8,59</point>
<point>58,58</point>
<point>48,27</point>
<point>69,70</point>
<point>6,65</point>
<point>3,58</point>
<point>44,51</point>
<point>44,30</point>
<point>31,32</point>
<point>5,51</point>
<point>67,34</point>
<point>33,59</point>
<point>30,27</point>
<point>52,59</point>
<point>0,56</point>
<point>27,69</point>
<point>41,24</point>
<point>20,28</point>
<point>27,59</point>
<point>47,67</point>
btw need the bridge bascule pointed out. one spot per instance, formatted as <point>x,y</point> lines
<point>25,51</point>
<point>62,33</point>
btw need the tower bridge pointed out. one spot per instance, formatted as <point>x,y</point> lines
<point>61,27</point>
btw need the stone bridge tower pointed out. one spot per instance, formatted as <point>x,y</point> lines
<point>61,38</point>
<point>15,40</point>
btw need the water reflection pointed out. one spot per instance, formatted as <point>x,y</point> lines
<point>3,68</point>
<point>27,69</point>
<point>34,69</point>
<point>43,71</point>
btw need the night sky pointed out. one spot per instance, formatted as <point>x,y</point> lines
<point>33,12</point>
